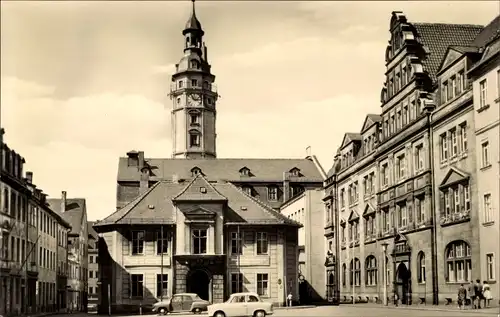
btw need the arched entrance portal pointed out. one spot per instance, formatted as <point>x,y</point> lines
<point>403,283</point>
<point>199,282</point>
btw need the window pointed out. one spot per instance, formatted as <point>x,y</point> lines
<point>485,152</point>
<point>199,237</point>
<point>194,139</point>
<point>263,284</point>
<point>91,274</point>
<point>444,92</point>
<point>178,100</point>
<point>161,285</point>
<point>236,283</point>
<point>194,64</point>
<point>421,267</point>
<point>262,243</point>
<point>460,83</point>
<point>403,216</point>
<point>443,144</point>
<point>91,259</point>
<point>194,82</point>
<point>195,119</point>
<point>236,243</point>
<point>344,274</point>
<point>137,281</point>
<point>488,213</point>
<point>419,158</point>
<point>342,200</point>
<point>458,262</point>
<point>482,94</point>
<point>490,267</point>
<point>388,270</point>
<point>355,268</point>
<point>371,271</point>
<point>385,175</point>
<point>463,137</point>
<point>162,242</point>
<point>453,87</point>
<point>400,167</point>
<point>137,242</point>
<point>180,84</point>
<point>247,190</point>
<point>454,142</point>
<point>386,220</point>
<point>272,193</point>
<point>91,290</point>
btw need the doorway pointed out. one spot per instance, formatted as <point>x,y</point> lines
<point>199,283</point>
<point>403,283</point>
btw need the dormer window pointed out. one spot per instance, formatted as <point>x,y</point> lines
<point>295,172</point>
<point>247,190</point>
<point>196,171</point>
<point>245,171</point>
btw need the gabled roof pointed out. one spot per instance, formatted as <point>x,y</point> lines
<point>350,137</point>
<point>75,210</point>
<point>263,170</point>
<point>156,206</point>
<point>199,189</point>
<point>454,53</point>
<point>370,120</point>
<point>353,216</point>
<point>437,37</point>
<point>453,176</point>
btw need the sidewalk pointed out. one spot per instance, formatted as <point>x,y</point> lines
<point>444,308</point>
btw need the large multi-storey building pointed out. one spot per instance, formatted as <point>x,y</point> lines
<point>307,209</point>
<point>93,290</point>
<point>201,224</point>
<point>403,207</point>
<point>485,77</point>
<point>28,242</point>
<point>74,210</point>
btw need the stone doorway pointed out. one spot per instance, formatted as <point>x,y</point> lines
<point>199,282</point>
<point>403,284</point>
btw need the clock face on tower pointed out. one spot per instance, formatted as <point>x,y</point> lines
<point>194,100</point>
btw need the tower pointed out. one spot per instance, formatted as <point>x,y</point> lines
<point>194,97</point>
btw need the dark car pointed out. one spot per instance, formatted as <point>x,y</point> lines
<point>183,302</point>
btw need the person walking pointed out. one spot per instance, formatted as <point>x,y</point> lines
<point>486,294</point>
<point>472,295</point>
<point>462,294</point>
<point>478,292</point>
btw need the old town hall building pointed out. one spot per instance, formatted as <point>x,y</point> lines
<point>196,223</point>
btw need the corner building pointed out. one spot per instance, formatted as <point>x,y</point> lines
<point>384,177</point>
<point>195,222</point>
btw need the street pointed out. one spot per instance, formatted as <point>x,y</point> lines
<point>369,310</point>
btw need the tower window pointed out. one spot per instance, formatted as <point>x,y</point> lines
<point>194,140</point>
<point>195,119</point>
<point>180,83</point>
<point>209,101</point>
<point>178,100</point>
<point>206,85</point>
<point>194,82</point>
<point>194,64</point>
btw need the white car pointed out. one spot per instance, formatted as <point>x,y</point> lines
<point>241,305</point>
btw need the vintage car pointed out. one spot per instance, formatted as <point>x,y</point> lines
<point>183,302</point>
<point>241,305</point>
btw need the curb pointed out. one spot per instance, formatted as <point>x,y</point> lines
<point>488,311</point>
<point>294,307</point>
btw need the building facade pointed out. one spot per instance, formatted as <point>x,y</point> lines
<point>74,211</point>
<point>307,209</point>
<point>93,291</point>
<point>391,187</point>
<point>29,242</point>
<point>203,224</point>
<point>485,77</point>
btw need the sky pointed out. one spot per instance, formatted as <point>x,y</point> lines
<point>82,83</point>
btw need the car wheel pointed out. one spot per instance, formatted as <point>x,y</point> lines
<point>259,313</point>
<point>219,314</point>
<point>162,311</point>
<point>197,310</point>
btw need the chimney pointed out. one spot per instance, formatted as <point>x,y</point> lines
<point>141,160</point>
<point>144,182</point>
<point>63,201</point>
<point>286,187</point>
<point>29,177</point>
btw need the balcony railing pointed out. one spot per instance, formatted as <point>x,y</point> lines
<point>205,88</point>
<point>453,218</point>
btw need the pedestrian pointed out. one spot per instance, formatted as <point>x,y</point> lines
<point>478,291</point>
<point>289,299</point>
<point>472,295</point>
<point>396,299</point>
<point>462,294</point>
<point>487,294</point>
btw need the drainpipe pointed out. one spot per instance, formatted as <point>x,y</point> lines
<point>435,284</point>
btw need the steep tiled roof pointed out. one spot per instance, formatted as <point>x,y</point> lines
<point>75,210</point>
<point>437,37</point>
<point>270,170</point>
<point>193,191</point>
<point>488,34</point>
<point>156,206</point>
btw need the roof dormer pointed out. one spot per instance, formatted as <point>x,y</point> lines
<point>195,171</point>
<point>245,171</point>
<point>295,172</point>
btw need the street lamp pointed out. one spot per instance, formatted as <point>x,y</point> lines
<point>384,248</point>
